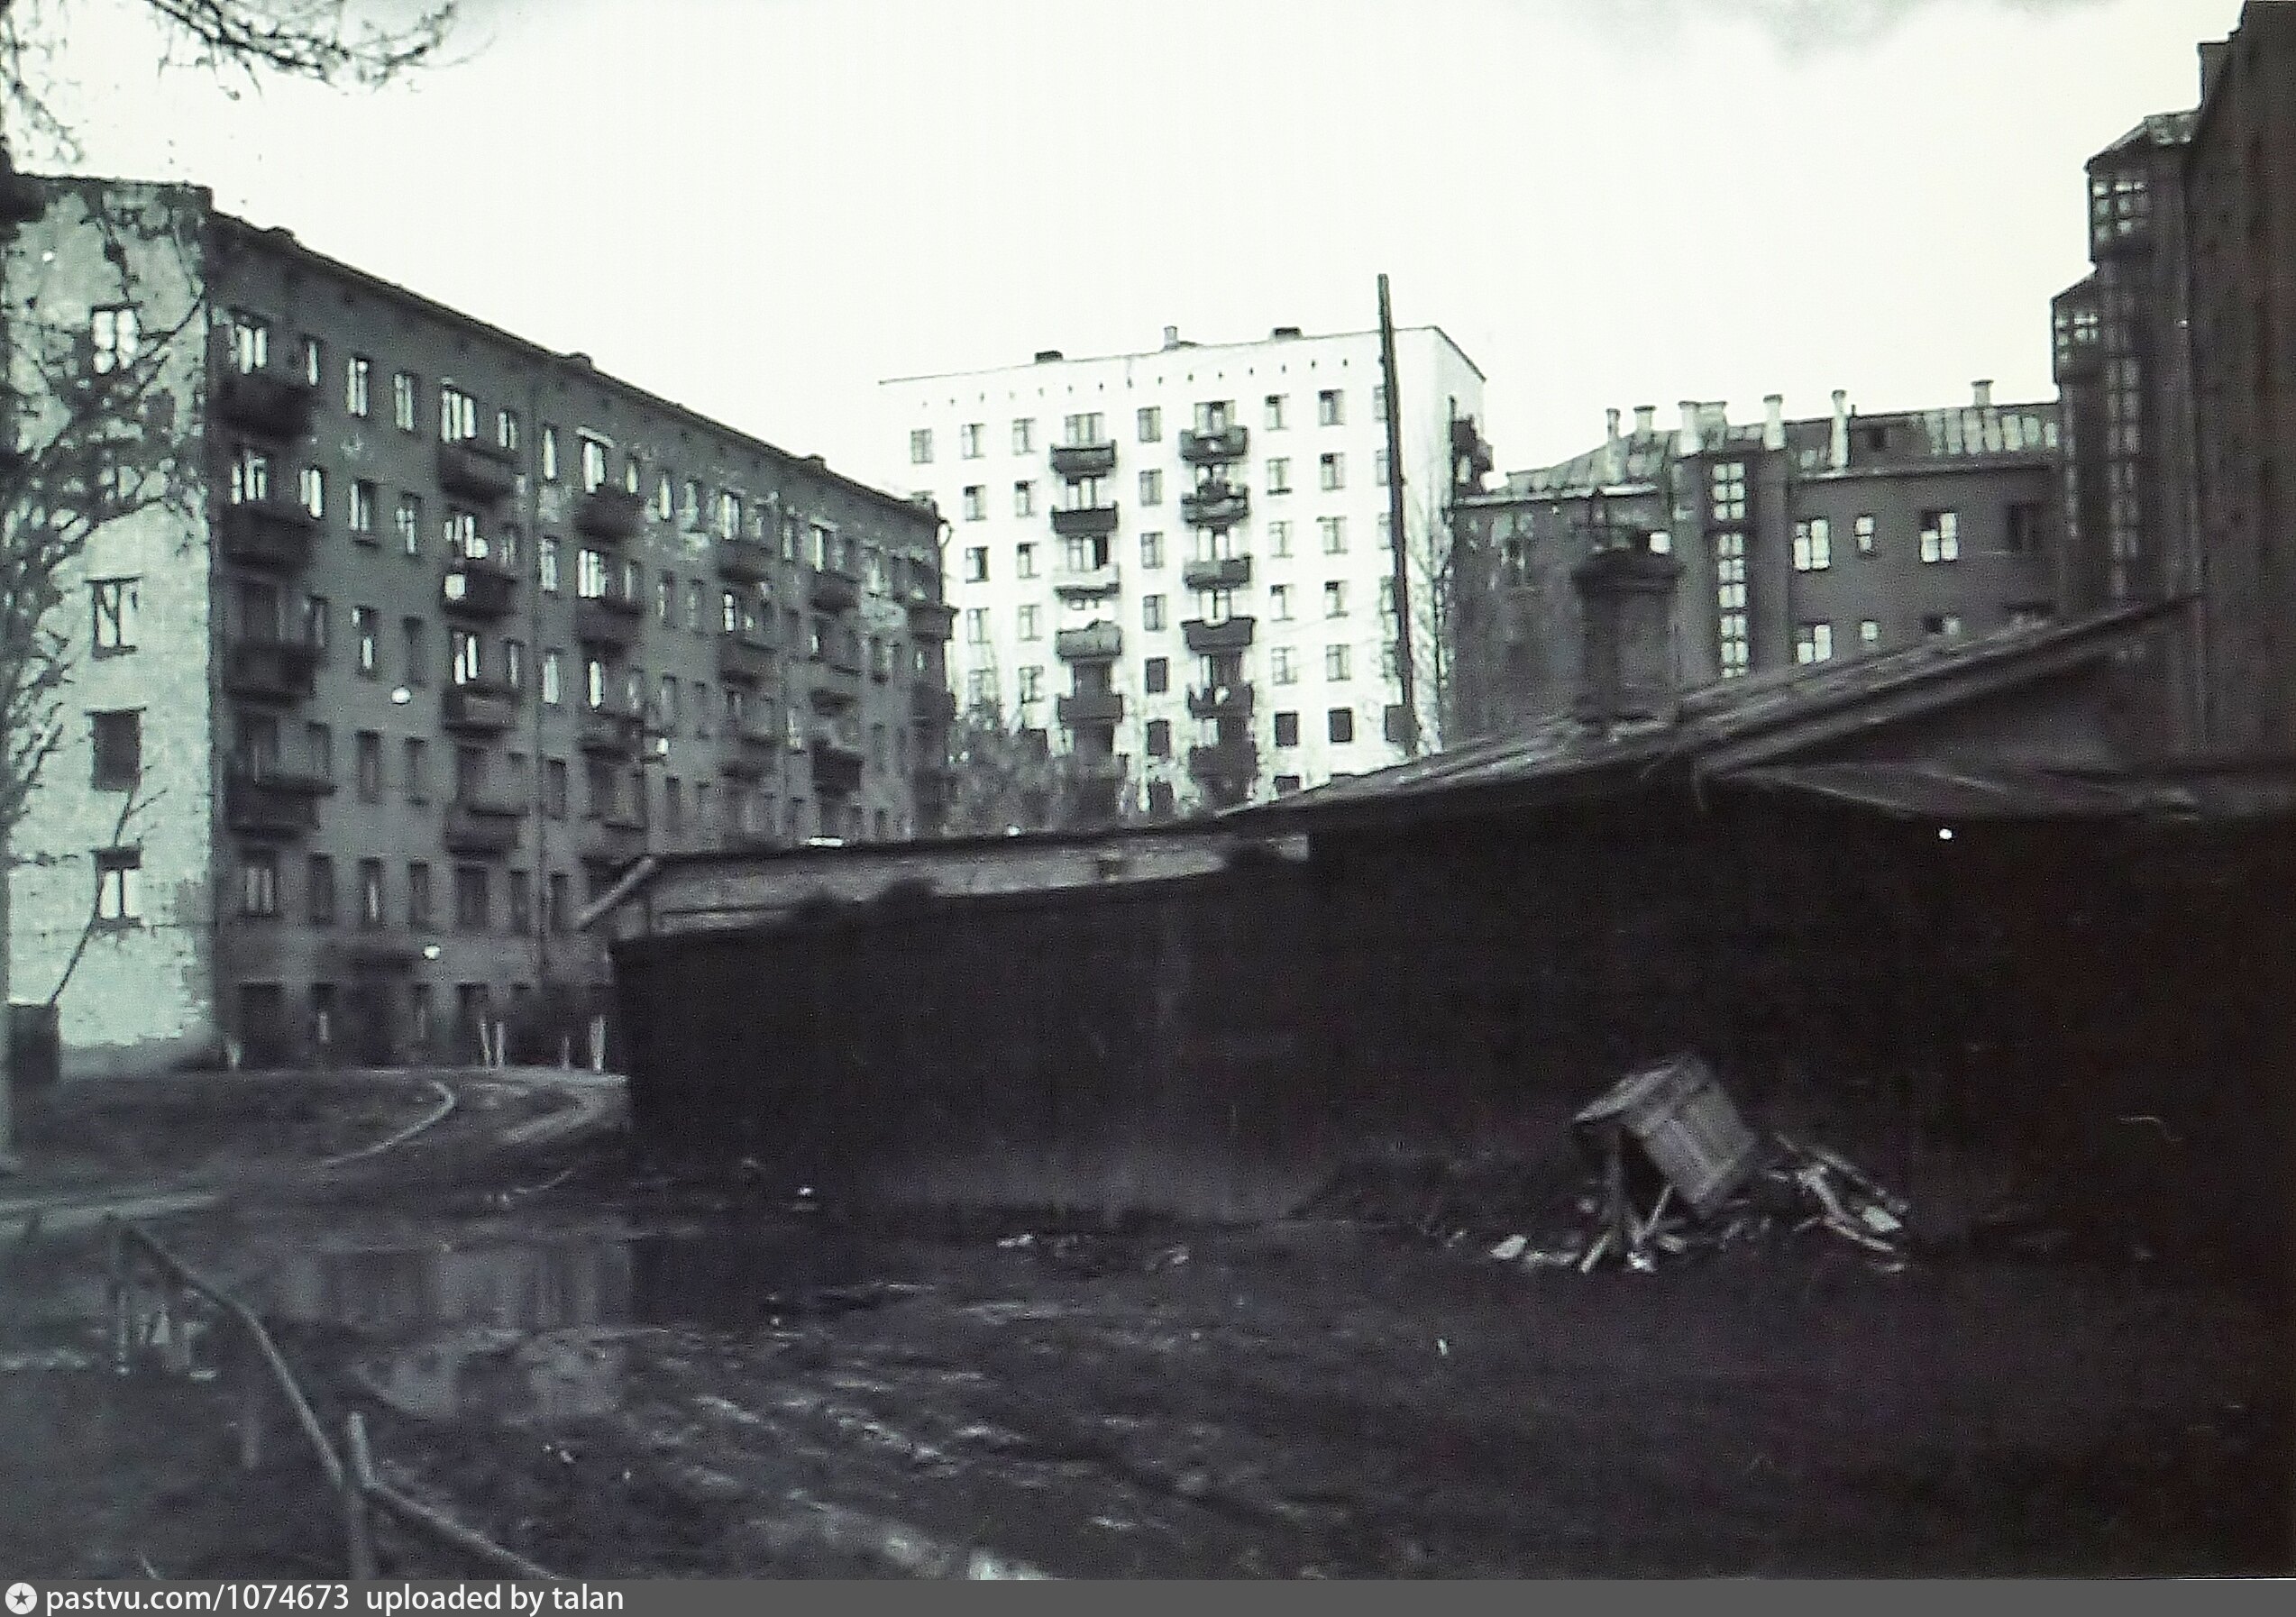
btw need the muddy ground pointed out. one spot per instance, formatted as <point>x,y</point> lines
<point>621,1379</point>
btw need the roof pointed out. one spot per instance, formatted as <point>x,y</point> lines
<point>2158,130</point>
<point>280,239</point>
<point>1726,728</point>
<point>1185,347</point>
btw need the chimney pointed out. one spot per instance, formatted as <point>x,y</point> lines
<point>1773,421</point>
<point>1626,618</point>
<point>1691,443</point>
<point>1048,356</point>
<point>1613,452</point>
<point>1281,331</point>
<point>1837,451</point>
<point>1171,336</point>
<point>1610,420</point>
<point>1982,391</point>
<point>1645,420</point>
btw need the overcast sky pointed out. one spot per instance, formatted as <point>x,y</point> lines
<point>761,207</point>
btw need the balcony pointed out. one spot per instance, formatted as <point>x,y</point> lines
<point>608,512</point>
<point>1225,762</point>
<point>1095,643</point>
<point>744,562</point>
<point>836,761</point>
<point>1221,701</point>
<point>1215,506</point>
<point>745,659</point>
<point>610,842</point>
<point>931,704</point>
<point>831,589</point>
<point>1103,579</point>
<point>269,803</point>
<point>270,402</point>
<point>478,590</point>
<point>1091,708</point>
<point>1084,522</point>
<point>609,731</point>
<point>1229,572</point>
<point>478,471</point>
<point>273,534</point>
<point>835,688</point>
<point>610,619</point>
<point>479,708</point>
<point>749,750</point>
<point>1229,634</point>
<point>484,827</point>
<point>277,670</point>
<point>1075,461</point>
<point>369,947</point>
<point>1209,449</point>
<point>932,620</point>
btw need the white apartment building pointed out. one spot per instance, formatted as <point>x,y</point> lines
<point>1176,563</point>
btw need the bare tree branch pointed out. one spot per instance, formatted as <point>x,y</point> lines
<point>129,807</point>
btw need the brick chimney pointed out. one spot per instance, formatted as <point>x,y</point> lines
<point>1691,441</point>
<point>1171,336</point>
<point>1613,455</point>
<point>1626,608</point>
<point>1645,420</point>
<point>1837,450</point>
<point>1981,391</point>
<point>1773,421</point>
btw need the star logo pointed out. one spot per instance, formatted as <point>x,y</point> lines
<point>22,1598</point>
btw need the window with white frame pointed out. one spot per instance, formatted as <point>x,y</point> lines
<point>251,341</point>
<point>1335,663</point>
<point>1279,538</point>
<point>592,577</point>
<point>1730,602</point>
<point>1331,471</point>
<point>1941,536</point>
<point>313,489</point>
<point>116,603</point>
<point>458,415</point>
<point>593,464</point>
<point>1813,545</point>
<point>1272,413</point>
<point>1024,499</point>
<point>920,446</point>
<point>976,626</point>
<point>1726,491</point>
<point>968,439</point>
<point>251,476</point>
<point>1329,408</point>
<point>1812,642</point>
<point>1283,665</point>
<point>402,403</point>
<point>1151,552</point>
<point>1024,435</point>
<point>1334,530</point>
<point>1152,486</point>
<point>119,885</point>
<point>1279,603</point>
<point>1868,634</point>
<point>976,502</point>
<point>1151,612</point>
<point>1861,529</point>
<point>1027,623</point>
<point>976,563</point>
<point>358,377</point>
<point>1024,561</point>
<point>1335,598</point>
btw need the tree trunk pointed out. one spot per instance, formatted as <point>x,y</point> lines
<point>8,1041</point>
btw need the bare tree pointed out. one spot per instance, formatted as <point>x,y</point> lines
<point>87,437</point>
<point>1006,779</point>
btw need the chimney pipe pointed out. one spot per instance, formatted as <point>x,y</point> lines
<point>1690,440</point>
<point>1645,420</point>
<point>1171,336</point>
<point>1837,454</point>
<point>1982,391</point>
<point>1613,452</point>
<point>1773,424</point>
<point>1610,419</point>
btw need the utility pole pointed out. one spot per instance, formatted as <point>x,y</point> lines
<point>1397,539</point>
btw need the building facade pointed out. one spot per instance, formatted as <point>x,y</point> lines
<point>1176,563</point>
<point>1795,542</point>
<point>441,632</point>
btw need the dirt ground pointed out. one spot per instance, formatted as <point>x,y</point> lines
<point>624,1380</point>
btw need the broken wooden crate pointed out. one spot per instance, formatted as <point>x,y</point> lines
<point>1679,1119</point>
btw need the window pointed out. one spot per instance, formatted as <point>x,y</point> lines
<point>116,603</point>
<point>258,883</point>
<point>251,341</point>
<point>1868,634</point>
<point>119,886</point>
<point>402,400</point>
<point>313,489</point>
<point>968,441</point>
<point>522,903</point>
<point>665,599</point>
<point>1272,416</point>
<point>1024,435</point>
<point>559,902</point>
<point>1812,642</point>
<point>119,749</point>
<point>318,747</point>
<point>1024,561</point>
<point>417,779</point>
<point>1379,467</point>
<point>1028,623</point>
<point>1379,403</point>
<point>410,630</point>
<point>409,522</point>
<point>2027,528</point>
<point>1151,612</point>
<point>1330,409</point>
<point>314,361</point>
<point>1160,737</point>
<point>1730,601</point>
<point>1941,536</point>
<point>513,664</point>
<point>590,576</point>
<point>1726,491</point>
<point>730,510</point>
<point>1339,725</point>
<point>1152,488</point>
<point>1943,625</point>
<point>471,898</point>
<point>920,446</point>
<point>364,629</point>
<point>976,564</point>
<point>554,689</point>
<point>1334,530</point>
<point>1283,666</point>
<point>554,788</point>
<point>1287,730</point>
<point>112,334</point>
<point>318,889</point>
<point>1156,675</point>
<point>418,895</point>
<point>1279,603</point>
<point>1151,425</point>
<point>1033,683</point>
<point>1279,538</point>
<point>1151,552</point>
<point>1335,663</point>
<point>358,373</point>
<point>458,415</point>
<point>1863,530</point>
<point>1279,475</point>
<point>547,563</point>
<point>593,452</point>
<point>1335,598</point>
<point>251,476</point>
<point>976,626</point>
<point>369,766</point>
<point>1024,499</point>
<point>549,452</point>
<point>1812,545</point>
<point>976,502</point>
<point>363,511</point>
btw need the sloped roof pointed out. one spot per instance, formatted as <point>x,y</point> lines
<point>2158,129</point>
<point>1732,725</point>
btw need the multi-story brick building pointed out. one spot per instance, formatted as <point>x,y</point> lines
<point>1178,559</point>
<point>1796,541</point>
<point>447,629</point>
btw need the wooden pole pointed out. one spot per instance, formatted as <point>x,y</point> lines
<point>251,1370</point>
<point>117,1293</point>
<point>1397,534</point>
<point>356,1531</point>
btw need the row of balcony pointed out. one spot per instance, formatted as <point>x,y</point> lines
<point>1074,461</point>
<point>1104,642</point>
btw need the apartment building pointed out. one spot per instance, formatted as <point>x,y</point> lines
<point>1788,543</point>
<point>1176,564</point>
<point>445,630</point>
